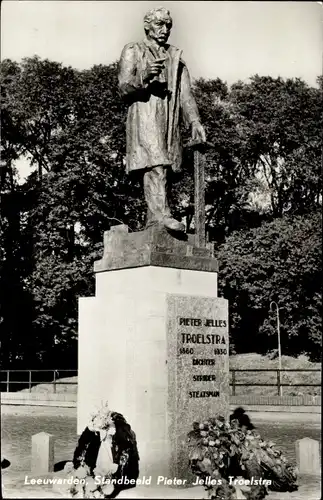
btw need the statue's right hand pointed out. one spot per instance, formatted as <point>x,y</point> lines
<point>153,69</point>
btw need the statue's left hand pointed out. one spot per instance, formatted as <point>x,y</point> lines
<point>198,133</point>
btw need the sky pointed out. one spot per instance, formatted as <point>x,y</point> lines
<point>231,40</point>
<point>227,39</point>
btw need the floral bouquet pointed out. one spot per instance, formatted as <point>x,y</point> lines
<point>86,485</point>
<point>236,463</point>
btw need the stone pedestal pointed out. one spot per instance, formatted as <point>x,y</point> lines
<point>153,342</point>
<point>308,456</point>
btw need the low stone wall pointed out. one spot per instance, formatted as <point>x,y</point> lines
<point>279,408</point>
<point>293,404</point>
<point>254,399</point>
<point>39,399</point>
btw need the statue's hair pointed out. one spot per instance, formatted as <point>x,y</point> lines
<point>149,16</point>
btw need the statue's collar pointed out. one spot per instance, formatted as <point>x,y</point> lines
<point>154,46</point>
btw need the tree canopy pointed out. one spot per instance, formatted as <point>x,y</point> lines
<point>263,196</point>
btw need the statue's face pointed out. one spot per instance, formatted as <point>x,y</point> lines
<point>159,28</point>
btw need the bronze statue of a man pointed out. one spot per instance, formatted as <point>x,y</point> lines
<point>155,81</point>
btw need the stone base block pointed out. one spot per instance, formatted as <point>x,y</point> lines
<point>132,354</point>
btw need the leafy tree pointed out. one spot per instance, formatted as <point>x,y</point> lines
<point>41,101</point>
<point>228,180</point>
<point>282,123</point>
<point>15,301</point>
<point>280,261</point>
<point>83,193</point>
<point>263,169</point>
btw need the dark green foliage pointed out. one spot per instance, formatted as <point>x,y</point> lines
<point>280,261</point>
<point>263,192</point>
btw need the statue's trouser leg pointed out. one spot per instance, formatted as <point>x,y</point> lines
<point>155,188</point>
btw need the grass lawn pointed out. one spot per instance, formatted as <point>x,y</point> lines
<point>253,361</point>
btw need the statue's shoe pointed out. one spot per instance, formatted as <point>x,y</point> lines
<point>173,224</point>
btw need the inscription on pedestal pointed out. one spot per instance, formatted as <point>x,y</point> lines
<point>198,364</point>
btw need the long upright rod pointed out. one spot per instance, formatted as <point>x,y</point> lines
<point>199,182</point>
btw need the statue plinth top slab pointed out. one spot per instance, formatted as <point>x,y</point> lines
<point>155,246</point>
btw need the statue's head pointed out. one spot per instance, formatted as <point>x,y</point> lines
<point>158,24</point>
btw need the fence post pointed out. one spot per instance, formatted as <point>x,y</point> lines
<point>233,382</point>
<point>7,380</point>
<point>42,453</point>
<point>278,382</point>
<point>54,381</point>
<point>29,381</point>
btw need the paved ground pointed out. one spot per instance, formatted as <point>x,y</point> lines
<point>19,423</point>
<point>309,489</point>
<point>71,412</point>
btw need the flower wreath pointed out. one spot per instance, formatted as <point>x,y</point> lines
<point>220,451</point>
<point>86,486</point>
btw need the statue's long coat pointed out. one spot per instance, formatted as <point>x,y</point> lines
<point>153,135</point>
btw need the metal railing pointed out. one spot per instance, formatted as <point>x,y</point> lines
<point>30,382</point>
<point>278,383</point>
